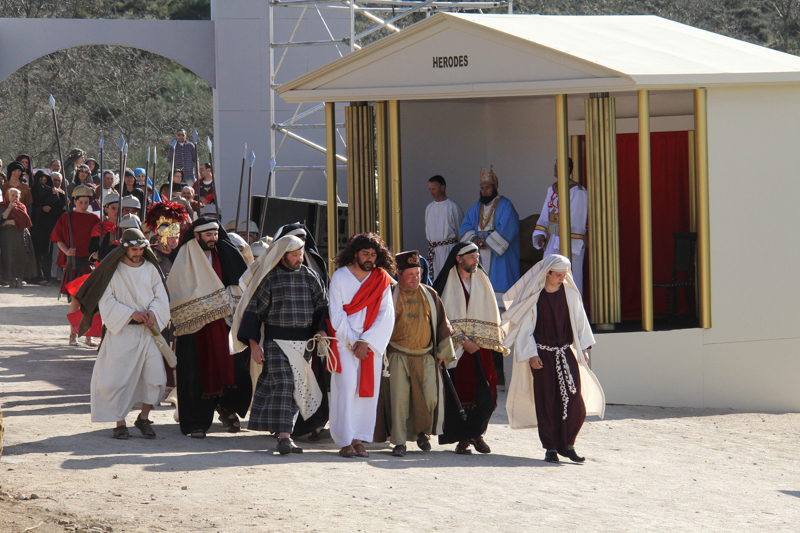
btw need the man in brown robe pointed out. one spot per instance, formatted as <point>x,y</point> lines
<point>419,346</point>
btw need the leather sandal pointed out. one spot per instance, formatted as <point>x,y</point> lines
<point>286,446</point>
<point>462,448</point>
<point>423,442</point>
<point>399,450</point>
<point>144,425</point>
<point>229,420</point>
<point>121,433</point>
<point>480,445</point>
<point>360,450</point>
<point>348,452</point>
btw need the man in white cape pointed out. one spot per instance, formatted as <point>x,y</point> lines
<point>552,387</point>
<point>129,292</point>
<point>283,305</point>
<point>362,319</point>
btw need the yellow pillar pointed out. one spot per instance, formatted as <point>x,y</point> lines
<point>703,216</point>
<point>333,204</point>
<point>645,211</point>
<point>394,172</point>
<point>383,171</point>
<point>562,145</point>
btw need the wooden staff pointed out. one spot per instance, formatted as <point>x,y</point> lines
<point>196,156</point>
<point>239,198</point>
<point>101,190</point>
<point>214,179</point>
<point>252,159</point>
<point>452,389</point>
<point>121,181</point>
<point>70,260</point>
<point>155,175</point>
<point>144,186</point>
<point>266,200</point>
<point>172,171</point>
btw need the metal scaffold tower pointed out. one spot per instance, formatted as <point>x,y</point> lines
<point>375,16</point>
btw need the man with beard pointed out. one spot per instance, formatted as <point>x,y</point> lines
<point>420,344</point>
<point>128,291</point>
<point>284,302</point>
<point>493,225</point>
<point>314,426</point>
<point>362,317</point>
<point>205,273</point>
<point>471,306</point>
<point>550,334</point>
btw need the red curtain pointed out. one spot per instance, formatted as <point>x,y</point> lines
<point>669,155</point>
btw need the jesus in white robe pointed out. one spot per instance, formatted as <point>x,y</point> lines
<point>129,369</point>
<point>352,413</point>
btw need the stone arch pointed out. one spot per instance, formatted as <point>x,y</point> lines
<point>190,43</point>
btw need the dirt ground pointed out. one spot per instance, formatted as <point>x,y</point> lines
<point>647,468</point>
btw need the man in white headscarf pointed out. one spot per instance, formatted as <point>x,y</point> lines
<point>550,334</point>
<point>283,305</point>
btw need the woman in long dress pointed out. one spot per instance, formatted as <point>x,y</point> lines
<point>15,239</point>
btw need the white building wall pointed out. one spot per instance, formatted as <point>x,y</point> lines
<point>750,358</point>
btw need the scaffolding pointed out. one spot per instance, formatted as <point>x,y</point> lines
<point>375,15</point>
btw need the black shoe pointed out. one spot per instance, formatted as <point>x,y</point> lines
<point>286,446</point>
<point>573,456</point>
<point>423,442</point>
<point>551,457</point>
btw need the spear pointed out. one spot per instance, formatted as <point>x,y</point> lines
<point>70,260</point>
<point>122,180</point>
<point>196,155</point>
<point>241,180</point>
<point>252,160</point>
<point>144,185</point>
<point>266,199</point>
<point>101,189</point>
<point>155,175</point>
<point>214,179</point>
<point>172,170</point>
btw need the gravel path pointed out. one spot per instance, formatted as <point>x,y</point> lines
<point>647,469</point>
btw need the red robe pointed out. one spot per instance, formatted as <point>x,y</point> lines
<point>82,226</point>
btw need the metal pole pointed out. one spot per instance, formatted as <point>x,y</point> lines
<point>239,197</point>
<point>249,196</point>
<point>645,211</point>
<point>64,184</point>
<point>272,132</point>
<point>703,215</point>
<point>101,189</point>
<point>395,173</point>
<point>384,211</point>
<point>333,204</point>
<point>562,143</point>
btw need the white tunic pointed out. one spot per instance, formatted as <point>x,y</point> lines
<point>129,369</point>
<point>578,213</point>
<point>442,224</point>
<point>351,416</point>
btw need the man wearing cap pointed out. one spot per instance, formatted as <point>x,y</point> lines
<point>550,334</point>
<point>129,292</point>
<point>75,245</point>
<point>492,224</point>
<point>420,344</point>
<point>105,231</point>
<point>131,206</point>
<point>546,233</point>
<point>209,211</point>
<point>361,317</point>
<point>284,301</point>
<point>471,306</point>
<point>202,284</point>
<point>443,219</point>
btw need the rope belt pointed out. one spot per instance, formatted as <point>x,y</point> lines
<point>322,345</point>
<point>565,380</point>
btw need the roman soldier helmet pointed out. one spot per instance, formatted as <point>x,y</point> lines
<point>165,219</point>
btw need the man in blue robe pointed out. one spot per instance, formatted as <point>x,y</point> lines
<point>493,224</point>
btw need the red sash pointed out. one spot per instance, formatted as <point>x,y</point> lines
<point>369,296</point>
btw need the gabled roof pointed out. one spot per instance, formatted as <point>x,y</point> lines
<point>510,55</point>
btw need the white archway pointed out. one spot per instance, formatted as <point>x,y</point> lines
<point>187,42</point>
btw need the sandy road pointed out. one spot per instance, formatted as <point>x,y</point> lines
<point>647,469</point>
